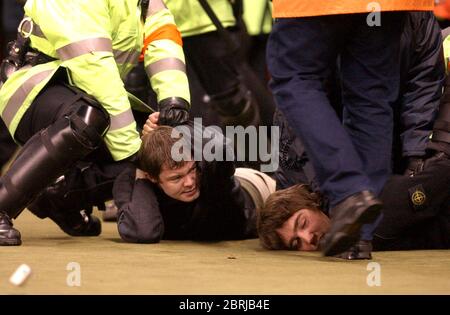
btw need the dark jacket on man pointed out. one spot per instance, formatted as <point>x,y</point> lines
<point>222,211</point>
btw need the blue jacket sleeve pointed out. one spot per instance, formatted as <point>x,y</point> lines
<point>423,73</point>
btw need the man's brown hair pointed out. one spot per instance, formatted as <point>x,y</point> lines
<point>156,151</point>
<point>279,207</point>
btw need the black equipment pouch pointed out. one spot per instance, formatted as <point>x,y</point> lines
<point>17,50</point>
<point>20,53</point>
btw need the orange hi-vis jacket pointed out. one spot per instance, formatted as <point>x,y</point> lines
<point>304,8</point>
<point>442,10</point>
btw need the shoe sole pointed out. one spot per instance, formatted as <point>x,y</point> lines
<point>9,242</point>
<point>343,240</point>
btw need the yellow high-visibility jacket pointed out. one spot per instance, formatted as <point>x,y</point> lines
<point>258,16</point>
<point>97,42</point>
<point>446,48</point>
<point>302,8</point>
<point>192,20</point>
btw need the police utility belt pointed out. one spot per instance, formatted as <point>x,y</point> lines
<point>20,53</point>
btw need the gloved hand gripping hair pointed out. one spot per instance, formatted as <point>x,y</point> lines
<point>173,111</point>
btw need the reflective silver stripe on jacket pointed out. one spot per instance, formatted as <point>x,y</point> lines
<point>165,64</point>
<point>125,57</point>
<point>122,120</point>
<point>84,46</point>
<point>19,96</point>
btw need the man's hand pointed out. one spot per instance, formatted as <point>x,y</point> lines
<point>174,111</point>
<point>151,123</point>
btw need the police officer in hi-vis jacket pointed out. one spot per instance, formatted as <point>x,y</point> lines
<point>62,96</point>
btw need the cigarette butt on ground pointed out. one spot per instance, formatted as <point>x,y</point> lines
<point>20,275</point>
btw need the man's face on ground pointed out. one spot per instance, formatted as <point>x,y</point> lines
<point>304,229</point>
<point>180,183</point>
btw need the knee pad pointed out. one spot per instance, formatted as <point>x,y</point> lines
<point>89,123</point>
<point>78,133</point>
<point>87,117</point>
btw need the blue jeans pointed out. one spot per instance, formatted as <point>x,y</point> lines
<point>353,155</point>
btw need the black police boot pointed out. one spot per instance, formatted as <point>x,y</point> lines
<point>9,236</point>
<point>347,219</point>
<point>361,250</point>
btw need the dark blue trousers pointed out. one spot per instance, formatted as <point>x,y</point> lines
<point>355,154</point>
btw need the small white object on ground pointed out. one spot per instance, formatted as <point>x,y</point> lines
<point>20,275</point>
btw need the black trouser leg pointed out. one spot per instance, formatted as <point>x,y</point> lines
<point>7,145</point>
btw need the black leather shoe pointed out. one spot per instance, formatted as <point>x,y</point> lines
<point>361,250</point>
<point>9,236</point>
<point>346,221</point>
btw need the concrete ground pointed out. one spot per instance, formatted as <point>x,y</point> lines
<point>106,265</point>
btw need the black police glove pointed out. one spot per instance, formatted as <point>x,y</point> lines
<point>173,111</point>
